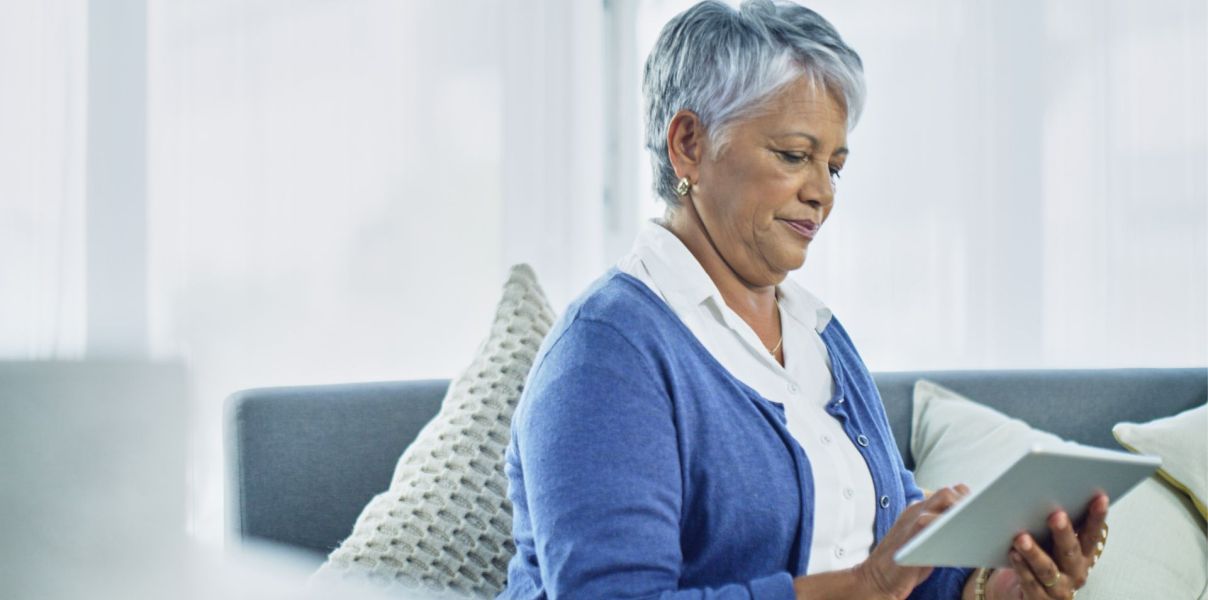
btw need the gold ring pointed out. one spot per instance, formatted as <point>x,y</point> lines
<point>1055,581</point>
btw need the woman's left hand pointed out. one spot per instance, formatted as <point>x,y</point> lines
<point>1038,575</point>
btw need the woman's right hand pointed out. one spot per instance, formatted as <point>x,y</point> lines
<point>879,574</point>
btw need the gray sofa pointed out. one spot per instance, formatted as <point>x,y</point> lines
<point>303,461</point>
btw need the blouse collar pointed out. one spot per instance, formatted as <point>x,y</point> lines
<point>684,283</point>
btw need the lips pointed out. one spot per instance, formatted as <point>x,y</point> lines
<point>804,227</point>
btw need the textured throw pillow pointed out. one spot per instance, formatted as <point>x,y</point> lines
<point>445,524</point>
<point>1157,547</point>
<point>1182,442</point>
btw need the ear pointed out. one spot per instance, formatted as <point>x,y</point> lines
<point>686,144</point>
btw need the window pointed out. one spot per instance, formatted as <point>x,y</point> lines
<point>1027,186</point>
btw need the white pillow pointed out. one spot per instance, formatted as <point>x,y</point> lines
<point>955,440</point>
<point>1182,442</point>
<point>1157,547</point>
<point>445,524</point>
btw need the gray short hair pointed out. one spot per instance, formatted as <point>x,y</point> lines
<point>724,63</point>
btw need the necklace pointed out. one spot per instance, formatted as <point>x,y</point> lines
<point>781,340</point>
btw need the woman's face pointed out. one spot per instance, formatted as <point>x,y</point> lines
<point>763,197</point>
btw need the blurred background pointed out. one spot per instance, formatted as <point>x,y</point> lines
<point>285,192</point>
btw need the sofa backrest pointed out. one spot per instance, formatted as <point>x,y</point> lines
<point>1077,405</point>
<point>303,461</point>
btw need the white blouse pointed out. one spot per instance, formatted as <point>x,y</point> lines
<point>844,498</point>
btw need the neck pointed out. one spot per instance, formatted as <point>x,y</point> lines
<point>756,304</point>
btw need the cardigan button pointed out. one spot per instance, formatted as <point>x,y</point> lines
<point>862,440</point>
<point>884,501</point>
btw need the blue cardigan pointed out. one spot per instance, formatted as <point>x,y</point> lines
<point>640,468</point>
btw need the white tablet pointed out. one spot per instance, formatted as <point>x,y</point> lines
<point>979,530</point>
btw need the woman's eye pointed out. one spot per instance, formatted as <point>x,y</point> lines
<point>793,157</point>
<point>834,173</point>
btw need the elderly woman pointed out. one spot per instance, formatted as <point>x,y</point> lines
<point>699,426</point>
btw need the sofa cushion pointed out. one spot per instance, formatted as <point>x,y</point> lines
<point>444,524</point>
<point>1157,547</point>
<point>1182,443</point>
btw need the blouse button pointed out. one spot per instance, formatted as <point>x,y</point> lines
<point>839,552</point>
<point>792,388</point>
<point>862,440</point>
<point>884,501</point>
<point>848,493</point>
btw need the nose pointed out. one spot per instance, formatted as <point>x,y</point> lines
<point>818,191</point>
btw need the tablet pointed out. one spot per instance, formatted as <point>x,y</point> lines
<point>979,530</point>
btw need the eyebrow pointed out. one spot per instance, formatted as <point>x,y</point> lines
<point>813,140</point>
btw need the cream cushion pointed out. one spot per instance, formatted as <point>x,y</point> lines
<point>1157,547</point>
<point>1182,443</point>
<point>955,440</point>
<point>444,526</point>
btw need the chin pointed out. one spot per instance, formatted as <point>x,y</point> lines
<point>788,267</point>
<point>798,262</point>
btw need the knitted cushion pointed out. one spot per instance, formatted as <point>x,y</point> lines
<point>445,523</point>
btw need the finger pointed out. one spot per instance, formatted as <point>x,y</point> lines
<point>942,499</point>
<point>1042,567</point>
<point>1028,584</point>
<point>1005,582</point>
<point>1066,549</point>
<point>1091,532</point>
<point>922,514</point>
<point>924,520</point>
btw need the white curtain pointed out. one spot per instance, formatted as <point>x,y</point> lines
<point>328,189</point>
<point>1028,186</point>
<point>42,67</point>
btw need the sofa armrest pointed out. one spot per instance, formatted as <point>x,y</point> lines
<point>303,461</point>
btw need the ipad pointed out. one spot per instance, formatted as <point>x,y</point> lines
<point>979,530</point>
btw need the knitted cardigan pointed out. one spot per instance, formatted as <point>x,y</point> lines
<point>638,467</point>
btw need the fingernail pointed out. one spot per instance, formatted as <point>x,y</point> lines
<point>1063,520</point>
<point>1025,543</point>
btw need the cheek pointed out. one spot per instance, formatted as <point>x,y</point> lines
<point>750,196</point>
<point>775,196</point>
<point>739,199</point>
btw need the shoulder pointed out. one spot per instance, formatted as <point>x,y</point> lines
<point>617,323</point>
<point>602,354</point>
<point>619,296</point>
<point>622,304</point>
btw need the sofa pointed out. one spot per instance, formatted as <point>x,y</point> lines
<point>304,461</point>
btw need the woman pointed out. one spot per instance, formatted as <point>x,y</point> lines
<point>697,425</point>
